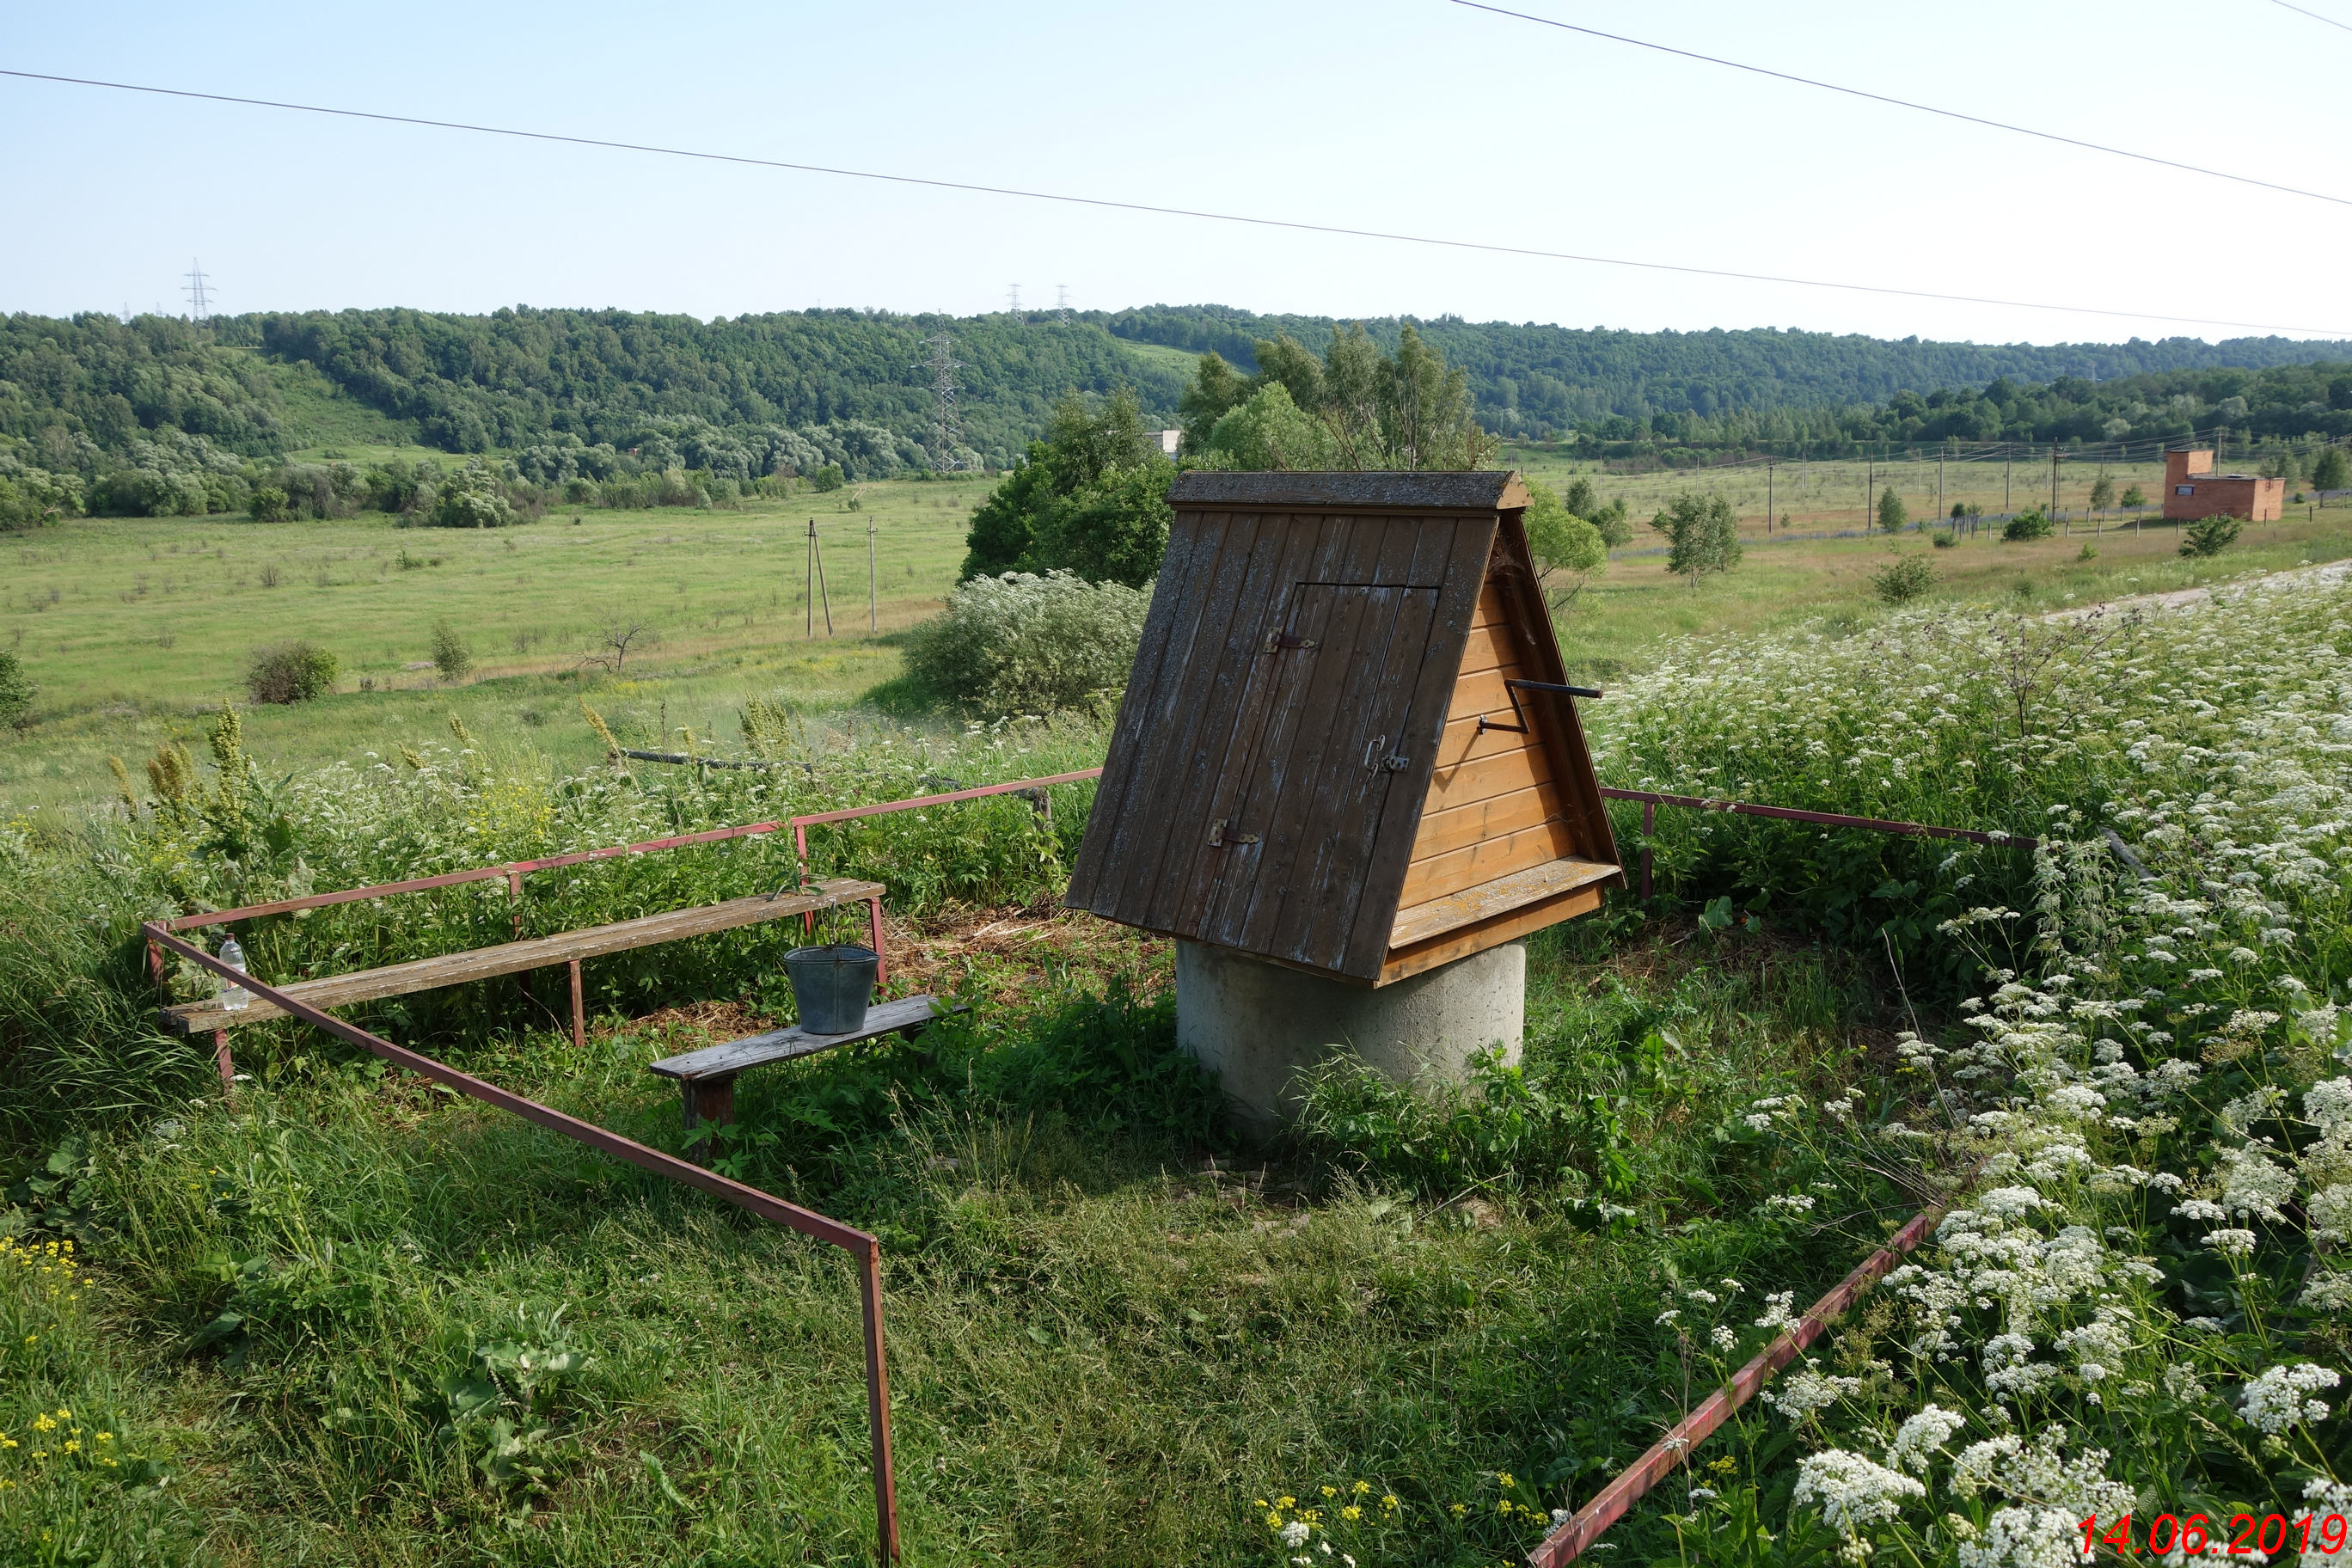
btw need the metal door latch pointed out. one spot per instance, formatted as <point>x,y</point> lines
<point>1276,641</point>
<point>1396,762</point>
<point>1219,837</point>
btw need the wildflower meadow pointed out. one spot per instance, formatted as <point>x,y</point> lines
<point>344,1315</point>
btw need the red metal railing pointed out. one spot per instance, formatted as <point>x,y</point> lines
<point>1564,1544</point>
<point>801,824</point>
<point>867,1249</point>
<point>1651,801</point>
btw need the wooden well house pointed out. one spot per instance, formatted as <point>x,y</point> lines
<point>1347,745</point>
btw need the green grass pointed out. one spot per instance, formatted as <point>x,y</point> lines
<point>321,415</point>
<point>1180,360</point>
<point>135,628</point>
<point>1107,1342</point>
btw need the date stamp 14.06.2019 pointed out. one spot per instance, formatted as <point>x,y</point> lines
<point>2256,1536</point>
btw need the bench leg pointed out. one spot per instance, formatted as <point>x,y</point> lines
<point>874,927</point>
<point>579,1014</point>
<point>227,1065</point>
<point>708,1103</point>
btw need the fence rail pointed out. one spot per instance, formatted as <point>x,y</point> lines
<point>1651,801</point>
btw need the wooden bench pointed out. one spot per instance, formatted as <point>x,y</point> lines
<point>208,1017</point>
<point>705,1078</point>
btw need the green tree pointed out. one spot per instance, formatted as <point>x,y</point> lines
<point>2030,523</point>
<point>1112,530</point>
<point>1270,431</point>
<point>1702,535</point>
<point>16,690</point>
<point>1092,500</point>
<point>1004,524</point>
<point>2135,496</point>
<point>1215,389</point>
<point>1426,417</point>
<point>2209,536</point>
<point>1564,545</point>
<point>1611,519</point>
<point>2330,470</point>
<point>2103,493</point>
<point>1891,514</point>
<point>1405,410</point>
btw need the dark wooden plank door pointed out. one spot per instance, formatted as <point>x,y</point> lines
<point>1327,714</point>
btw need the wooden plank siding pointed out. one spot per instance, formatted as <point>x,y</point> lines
<point>1512,817</point>
<point>1297,756</point>
<point>1498,834</point>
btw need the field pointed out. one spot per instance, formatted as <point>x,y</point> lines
<point>137,629</point>
<point>344,1316</point>
<point>134,628</point>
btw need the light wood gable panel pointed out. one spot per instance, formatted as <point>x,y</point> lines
<point>1507,840</point>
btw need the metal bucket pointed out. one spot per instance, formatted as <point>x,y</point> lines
<point>830,986</point>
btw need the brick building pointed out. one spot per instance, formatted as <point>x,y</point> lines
<point>2193,489</point>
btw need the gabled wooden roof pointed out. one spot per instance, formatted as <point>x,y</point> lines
<point>1281,732</point>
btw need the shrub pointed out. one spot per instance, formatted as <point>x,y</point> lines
<point>16,690</point>
<point>827,477</point>
<point>270,504</point>
<point>451,657</point>
<point>1025,644</point>
<point>1904,579</point>
<point>290,673</point>
<point>2209,536</point>
<point>1944,538</point>
<point>462,506</point>
<point>2030,523</point>
<point>31,496</point>
<point>2330,470</point>
<point>2135,496</point>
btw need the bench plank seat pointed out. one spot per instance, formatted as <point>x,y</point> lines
<point>514,957</point>
<point>908,1014</point>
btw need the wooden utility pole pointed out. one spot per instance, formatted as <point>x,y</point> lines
<point>873,616</point>
<point>1768,498</point>
<point>812,585</point>
<point>2008,461</point>
<point>2054,479</point>
<point>1869,490</point>
<point>1939,490</point>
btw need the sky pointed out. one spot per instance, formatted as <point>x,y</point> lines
<point>1416,116</point>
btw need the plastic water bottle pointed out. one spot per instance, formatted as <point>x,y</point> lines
<point>232,996</point>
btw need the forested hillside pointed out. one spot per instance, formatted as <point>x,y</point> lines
<point>1536,381</point>
<point>159,415</point>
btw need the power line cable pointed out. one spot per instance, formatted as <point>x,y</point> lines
<point>1294,225</point>
<point>2315,15</point>
<point>1907,103</point>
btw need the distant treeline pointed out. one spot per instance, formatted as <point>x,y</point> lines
<point>1542,382</point>
<point>586,407</point>
<point>521,378</point>
<point>2287,404</point>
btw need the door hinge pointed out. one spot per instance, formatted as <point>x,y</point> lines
<point>1219,837</point>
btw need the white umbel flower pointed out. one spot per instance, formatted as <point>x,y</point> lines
<point>2280,1398</point>
<point>1852,1491</point>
